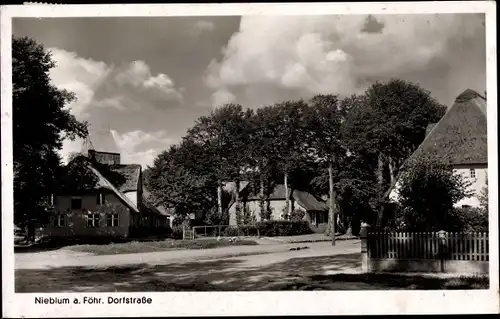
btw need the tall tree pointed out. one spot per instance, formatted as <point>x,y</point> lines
<point>41,121</point>
<point>325,120</point>
<point>183,179</point>
<point>263,154</point>
<point>224,134</point>
<point>389,123</point>
<point>289,141</point>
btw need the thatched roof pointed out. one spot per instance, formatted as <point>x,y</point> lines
<point>460,137</point>
<point>131,173</point>
<point>102,182</point>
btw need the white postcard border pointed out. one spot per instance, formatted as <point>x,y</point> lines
<point>251,303</point>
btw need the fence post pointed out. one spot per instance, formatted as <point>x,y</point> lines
<point>363,234</point>
<point>442,247</point>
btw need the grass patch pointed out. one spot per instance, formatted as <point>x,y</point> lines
<point>155,246</point>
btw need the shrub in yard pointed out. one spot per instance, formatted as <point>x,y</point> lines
<point>283,228</point>
<point>270,228</point>
<point>232,231</point>
<point>428,192</point>
<point>297,215</point>
<point>469,219</point>
<point>177,232</point>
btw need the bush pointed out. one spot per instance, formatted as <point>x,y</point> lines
<point>177,232</point>
<point>270,228</point>
<point>428,192</point>
<point>297,215</point>
<point>470,219</point>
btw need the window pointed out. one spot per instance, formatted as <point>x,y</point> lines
<point>322,218</point>
<point>112,220</point>
<point>93,220</point>
<point>76,203</point>
<point>59,220</point>
<point>100,199</point>
<point>472,173</point>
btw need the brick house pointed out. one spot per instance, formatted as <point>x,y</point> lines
<point>108,209</point>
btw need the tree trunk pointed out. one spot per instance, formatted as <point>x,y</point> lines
<point>219,199</point>
<point>348,230</point>
<point>287,197</point>
<point>392,170</point>
<point>263,212</point>
<point>331,202</point>
<point>380,180</point>
<point>237,198</point>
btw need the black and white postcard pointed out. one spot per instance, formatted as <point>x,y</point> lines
<point>249,159</point>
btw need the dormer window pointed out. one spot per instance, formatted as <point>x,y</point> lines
<point>100,199</point>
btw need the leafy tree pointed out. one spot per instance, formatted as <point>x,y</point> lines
<point>289,140</point>
<point>263,155</point>
<point>483,198</point>
<point>224,136</point>
<point>324,120</point>
<point>428,192</point>
<point>41,121</point>
<point>389,123</point>
<point>183,178</point>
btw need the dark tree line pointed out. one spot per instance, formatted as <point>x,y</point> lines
<point>346,149</point>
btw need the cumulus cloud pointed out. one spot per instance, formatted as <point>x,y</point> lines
<point>140,147</point>
<point>222,96</point>
<point>344,54</point>
<point>95,84</point>
<point>78,75</point>
<point>101,88</point>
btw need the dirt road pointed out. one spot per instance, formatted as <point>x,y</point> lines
<point>259,254</point>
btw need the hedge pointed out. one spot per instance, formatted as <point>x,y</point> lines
<point>270,228</point>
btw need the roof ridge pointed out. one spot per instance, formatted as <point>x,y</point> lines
<point>467,95</point>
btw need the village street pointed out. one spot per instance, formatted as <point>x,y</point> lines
<point>267,252</point>
<point>269,265</point>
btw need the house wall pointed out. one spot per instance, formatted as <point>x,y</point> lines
<point>133,196</point>
<point>76,223</point>
<point>478,183</point>
<point>277,207</point>
<point>465,170</point>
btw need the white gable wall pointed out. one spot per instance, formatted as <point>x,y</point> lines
<point>277,207</point>
<point>132,196</point>
<point>478,183</point>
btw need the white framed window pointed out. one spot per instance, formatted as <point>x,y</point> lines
<point>60,220</point>
<point>112,220</point>
<point>100,199</point>
<point>92,220</point>
<point>472,173</point>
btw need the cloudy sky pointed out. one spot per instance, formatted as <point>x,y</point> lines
<point>149,79</point>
